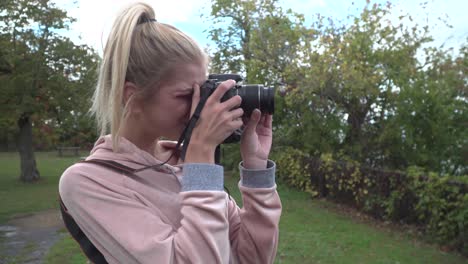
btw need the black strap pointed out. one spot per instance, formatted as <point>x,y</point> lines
<point>187,133</point>
<point>91,252</point>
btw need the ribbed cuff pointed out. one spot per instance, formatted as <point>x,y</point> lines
<point>202,177</point>
<point>263,178</point>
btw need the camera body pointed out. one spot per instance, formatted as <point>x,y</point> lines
<point>253,96</point>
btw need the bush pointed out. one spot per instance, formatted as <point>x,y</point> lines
<point>230,157</point>
<point>437,204</point>
<point>292,169</point>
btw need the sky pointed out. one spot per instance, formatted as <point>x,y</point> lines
<point>95,17</point>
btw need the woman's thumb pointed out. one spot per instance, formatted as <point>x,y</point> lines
<point>253,121</point>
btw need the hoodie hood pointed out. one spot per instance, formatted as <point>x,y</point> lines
<point>128,154</point>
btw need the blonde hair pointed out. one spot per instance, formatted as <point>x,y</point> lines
<point>143,52</point>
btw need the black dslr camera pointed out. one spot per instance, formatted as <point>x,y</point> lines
<point>253,96</point>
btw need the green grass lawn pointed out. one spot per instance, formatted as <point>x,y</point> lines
<point>18,198</point>
<point>311,231</point>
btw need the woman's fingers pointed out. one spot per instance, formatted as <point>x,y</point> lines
<point>237,123</point>
<point>218,119</point>
<point>236,113</point>
<point>233,102</point>
<point>221,90</point>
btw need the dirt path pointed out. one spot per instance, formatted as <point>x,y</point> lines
<point>27,238</point>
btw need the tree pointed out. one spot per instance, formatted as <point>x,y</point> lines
<point>357,90</point>
<point>359,71</point>
<point>431,115</point>
<point>262,42</point>
<point>48,75</point>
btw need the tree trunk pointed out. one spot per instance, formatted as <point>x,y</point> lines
<point>355,121</point>
<point>29,172</point>
<point>353,141</point>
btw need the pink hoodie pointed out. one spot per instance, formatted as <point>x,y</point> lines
<point>177,214</point>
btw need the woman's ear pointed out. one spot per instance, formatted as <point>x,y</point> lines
<point>129,96</point>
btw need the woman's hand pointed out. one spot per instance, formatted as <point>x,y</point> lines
<point>217,121</point>
<point>256,140</point>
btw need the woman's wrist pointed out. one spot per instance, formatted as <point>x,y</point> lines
<point>254,164</point>
<point>199,153</point>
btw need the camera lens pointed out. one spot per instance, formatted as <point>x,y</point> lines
<point>253,96</point>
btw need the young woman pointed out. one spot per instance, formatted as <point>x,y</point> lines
<point>149,84</point>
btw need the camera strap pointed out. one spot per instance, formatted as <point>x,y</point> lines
<point>187,133</point>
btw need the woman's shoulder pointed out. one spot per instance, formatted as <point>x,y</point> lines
<point>78,170</point>
<point>82,176</point>
<point>74,175</point>
<point>75,170</point>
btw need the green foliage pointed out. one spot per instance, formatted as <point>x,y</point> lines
<point>349,90</point>
<point>431,116</point>
<point>358,90</point>
<point>292,170</point>
<point>362,93</point>
<point>262,42</point>
<point>442,206</point>
<point>438,204</point>
<point>259,39</point>
<point>346,181</point>
<point>45,76</point>
<point>230,157</point>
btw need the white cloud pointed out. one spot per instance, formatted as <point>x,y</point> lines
<point>452,11</point>
<point>94,18</point>
<point>435,14</point>
<point>303,6</point>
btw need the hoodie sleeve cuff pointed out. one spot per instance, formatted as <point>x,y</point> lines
<point>264,178</point>
<point>202,177</point>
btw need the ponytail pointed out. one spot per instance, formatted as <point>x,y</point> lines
<point>141,51</point>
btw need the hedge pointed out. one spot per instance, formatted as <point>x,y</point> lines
<point>438,205</point>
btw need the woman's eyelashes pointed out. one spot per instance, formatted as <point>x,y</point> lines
<point>186,96</point>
